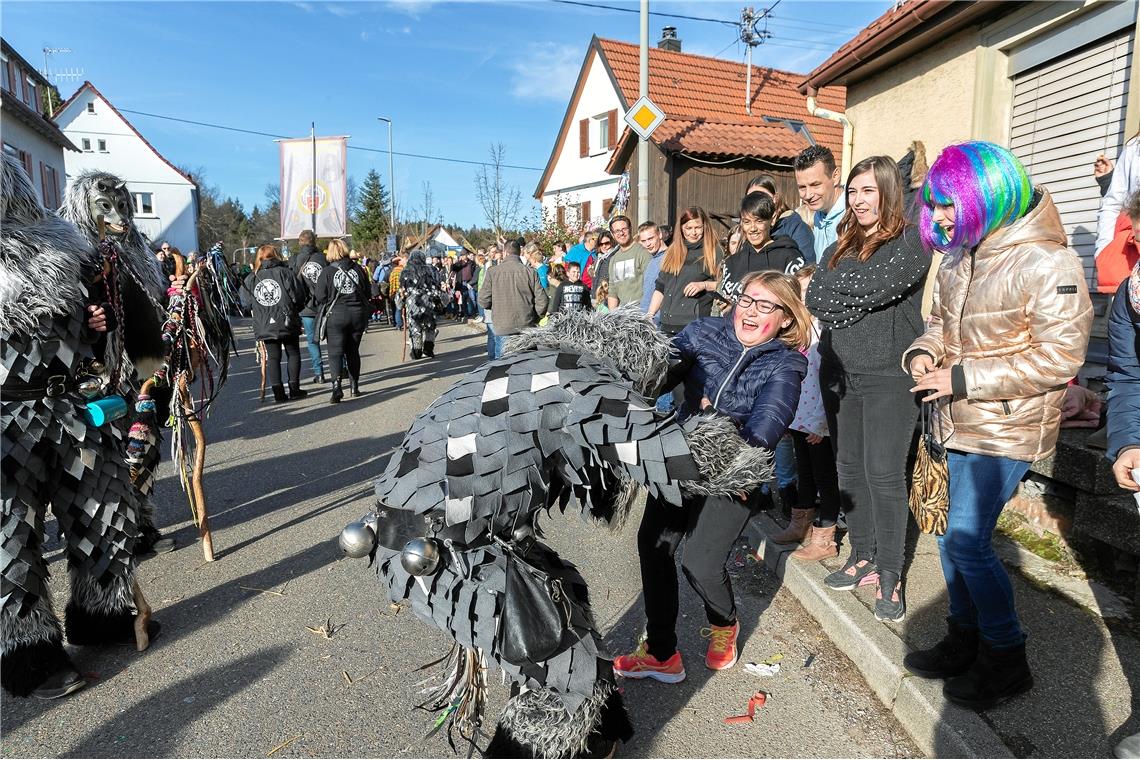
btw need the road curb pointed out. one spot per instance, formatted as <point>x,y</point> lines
<point>939,728</point>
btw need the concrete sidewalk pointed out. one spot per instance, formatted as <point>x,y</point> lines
<point>1087,675</point>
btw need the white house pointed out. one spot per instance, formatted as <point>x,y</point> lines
<point>165,199</point>
<point>33,140</point>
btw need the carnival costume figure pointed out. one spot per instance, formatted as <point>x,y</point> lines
<point>566,413</point>
<point>58,447</point>
<point>421,285</point>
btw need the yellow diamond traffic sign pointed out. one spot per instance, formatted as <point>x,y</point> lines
<point>643,117</point>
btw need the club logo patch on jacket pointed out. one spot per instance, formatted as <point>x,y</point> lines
<point>267,292</point>
<point>345,281</point>
<point>311,271</point>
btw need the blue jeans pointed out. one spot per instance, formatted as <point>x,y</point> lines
<point>500,344</point>
<point>785,462</point>
<point>665,402</point>
<point>491,345</point>
<point>310,324</point>
<point>976,581</point>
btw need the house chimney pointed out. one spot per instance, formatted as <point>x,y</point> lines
<point>669,39</point>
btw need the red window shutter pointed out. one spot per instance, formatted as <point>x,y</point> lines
<point>613,122</point>
<point>44,185</point>
<point>26,159</point>
<point>585,212</point>
<point>583,138</point>
<point>560,216</point>
<point>607,206</point>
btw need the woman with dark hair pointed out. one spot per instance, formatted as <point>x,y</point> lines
<point>278,296</point>
<point>342,292</point>
<point>598,265</point>
<point>688,277</point>
<point>1009,328</point>
<point>867,298</point>
<point>787,222</point>
<point>746,365</point>
<point>759,251</point>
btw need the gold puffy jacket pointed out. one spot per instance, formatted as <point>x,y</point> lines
<point>1013,320</point>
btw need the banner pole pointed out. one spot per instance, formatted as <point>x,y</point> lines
<point>313,196</point>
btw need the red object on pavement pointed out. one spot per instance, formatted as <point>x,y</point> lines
<point>755,703</point>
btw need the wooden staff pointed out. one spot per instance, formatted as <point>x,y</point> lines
<point>262,359</point>
<point>404,354</point>
<point>142,619</point>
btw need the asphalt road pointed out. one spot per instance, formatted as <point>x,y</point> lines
<point>242,668</point>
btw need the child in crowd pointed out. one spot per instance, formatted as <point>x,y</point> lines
<point>815,461</point>
<point>573,293</point>
<point>602,296</point>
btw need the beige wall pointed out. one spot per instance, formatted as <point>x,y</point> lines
<point>928,97</point>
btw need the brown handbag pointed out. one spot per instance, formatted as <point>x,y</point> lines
<point>930,486</point>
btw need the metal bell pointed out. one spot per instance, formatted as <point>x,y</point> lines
<point>90,387</point>
<point>421,556</point>
<point>357,540</point>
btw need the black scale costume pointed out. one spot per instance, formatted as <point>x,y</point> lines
<point>563,415</point>
<point>51,454</point>
<point>420,283</point>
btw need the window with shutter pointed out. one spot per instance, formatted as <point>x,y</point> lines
<point>607,206</point>
<point>585,214</point>
<point>44,184</point>
<point>583,138</point>
<point>560,216</point>
<point>1065,113</point>
<point>613,126</point>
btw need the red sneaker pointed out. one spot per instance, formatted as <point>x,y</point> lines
<point>722,646</point>
<point>641,664</point>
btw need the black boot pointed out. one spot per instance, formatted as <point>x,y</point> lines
<point>279,394</point>
<point>429,348</point>
<point>41,669</point>
<point>996,676</point>
<point>354,385</point>
<point>337,391</point>
<point>950,657</point>
<point>788,499</point>
<point>296,391</point>
<point>417,353</point>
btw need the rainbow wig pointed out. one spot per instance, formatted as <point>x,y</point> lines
<point>987,186</point>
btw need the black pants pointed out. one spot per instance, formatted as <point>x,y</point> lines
<point>872,421</point>
<point>815,474</point>
<point>710,525</point>
<point>344,334</point>
<point>293,357</point>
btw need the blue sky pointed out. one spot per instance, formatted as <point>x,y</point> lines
<point>453,76</point>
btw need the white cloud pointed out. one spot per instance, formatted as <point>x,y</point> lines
<point>413,8</point>
<point>546,71</point>
<point>365,36</point>
<point>306,7</point>
<point>340,11</point>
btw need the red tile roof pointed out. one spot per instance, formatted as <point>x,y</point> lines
<point>696,87</point>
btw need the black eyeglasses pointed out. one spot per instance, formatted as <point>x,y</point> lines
<point>764,307</point>
<point>606,244</point>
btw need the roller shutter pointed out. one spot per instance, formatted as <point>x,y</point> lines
<point>1065,113</point>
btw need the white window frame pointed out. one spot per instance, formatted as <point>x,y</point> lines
<point>85,143</point>
<point>102,145</point>
<point>139,206</point>
<point>600,134</point>
<point>6,82</point>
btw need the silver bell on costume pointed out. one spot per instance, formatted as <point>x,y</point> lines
<point>357,539</point>
<point>420,556</point>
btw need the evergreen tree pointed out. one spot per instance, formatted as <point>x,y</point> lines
<point>370,227</point>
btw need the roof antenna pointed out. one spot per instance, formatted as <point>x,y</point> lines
<point>751,35</point>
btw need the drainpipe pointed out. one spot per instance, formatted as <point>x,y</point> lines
<point>848,129</point>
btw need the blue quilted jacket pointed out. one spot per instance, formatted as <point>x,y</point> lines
<point>1123,376</point>
<point>758,387</point>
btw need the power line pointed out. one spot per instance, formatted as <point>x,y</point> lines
<point>351,147</point>
<point>651,13</point>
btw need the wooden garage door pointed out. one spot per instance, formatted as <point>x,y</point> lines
<point>1065,113</point>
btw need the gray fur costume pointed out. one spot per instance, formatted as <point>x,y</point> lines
<point>142,285</point>
<point>420,283</point>
<point>566,414</point>
<point>51,455</point>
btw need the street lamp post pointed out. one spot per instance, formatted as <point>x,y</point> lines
<point>391,174</point>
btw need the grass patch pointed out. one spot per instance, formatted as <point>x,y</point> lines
<point>1048,546</point>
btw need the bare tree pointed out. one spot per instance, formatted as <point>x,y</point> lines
<point>501,201</point>
<point>428,210</point>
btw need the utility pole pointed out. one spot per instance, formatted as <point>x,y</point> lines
<point>642,143</point>
<point>391,174</point>
<point>751,36</point>
<point>313,192</point>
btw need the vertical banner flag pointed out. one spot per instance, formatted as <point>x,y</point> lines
<point>301,196</point>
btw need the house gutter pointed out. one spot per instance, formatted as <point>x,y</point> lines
<point>848,128</point>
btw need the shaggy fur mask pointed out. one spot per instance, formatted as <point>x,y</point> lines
<point>95,193</point>
<point>41,256</point>
<point>623,337</point>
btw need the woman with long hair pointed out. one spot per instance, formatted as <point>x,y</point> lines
<point>342,293</point>
<point>787,222</point>
<point>867,297</point>
<point>277,297</point>
<point>1009,328</point>
<point>746,365</point>
<point>688,278</point>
